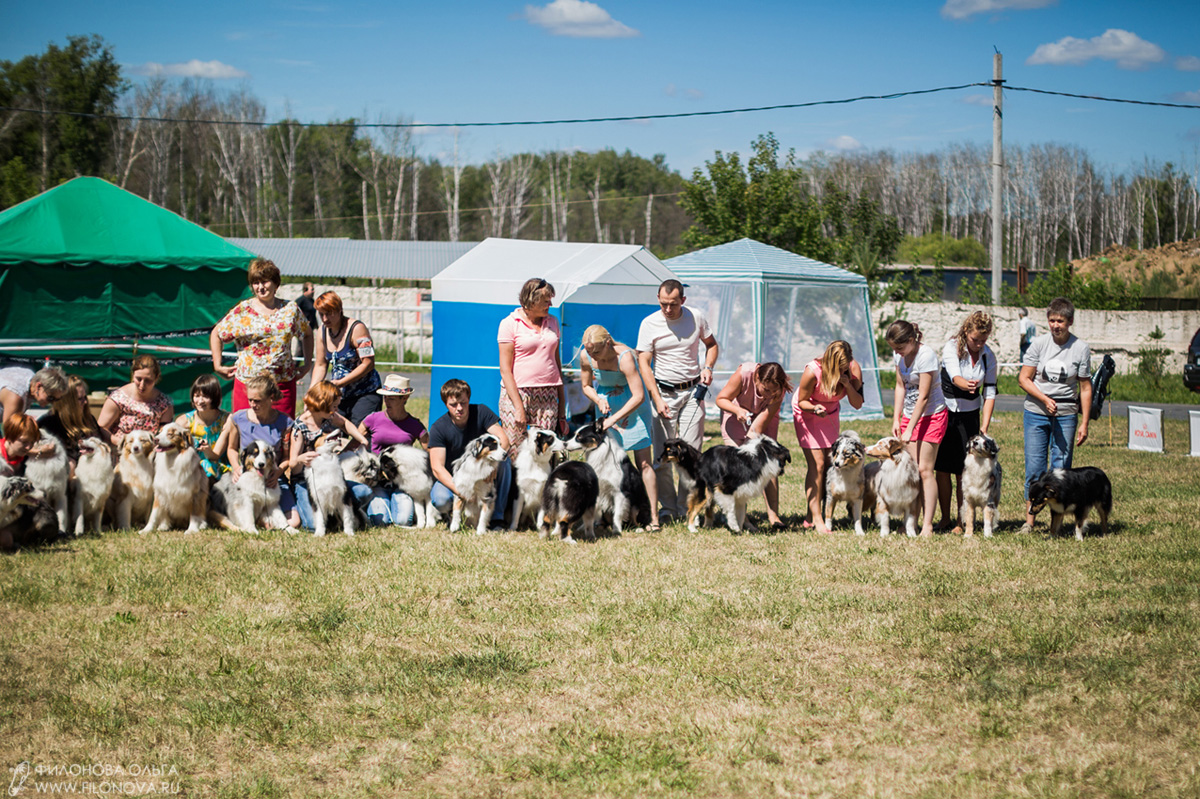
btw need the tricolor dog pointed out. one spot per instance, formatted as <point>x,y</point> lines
<point>897,485</point>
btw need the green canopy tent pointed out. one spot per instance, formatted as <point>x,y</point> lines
<point>87,259</point>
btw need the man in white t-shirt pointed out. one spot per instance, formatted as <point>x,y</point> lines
<point>1026,330</point>
<point>668,347</point>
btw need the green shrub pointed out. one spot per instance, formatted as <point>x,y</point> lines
<point>937,250</point>
<point>1113,294</point>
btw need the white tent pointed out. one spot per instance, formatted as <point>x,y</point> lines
<point>614,285</point>
<point>768,304</point>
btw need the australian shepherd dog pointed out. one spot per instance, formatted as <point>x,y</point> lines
<point>849,479</point>
<point>406,468</point>
<point>734,475</point>
<point>25,520</point>
<point>981,483</point>
<point>623,497</point>
<point>897,485</point>
<point>133,482</point>
<point>533,464</point>
<point>1072,490</point>
<point>249,503</point>
<point>687,462</point>
<point>474,482</point>
<point>93,484</point>
<point>180,484</point>
<point>327,490</point>
<point>569,499</point>
<point>49,470</point>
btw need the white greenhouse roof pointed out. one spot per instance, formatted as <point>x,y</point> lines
<point>393,260</point>
<point>747,259</point>
<point>494,271</point>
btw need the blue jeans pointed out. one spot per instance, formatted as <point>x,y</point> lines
<point>1047,438</point>
<point>442,496</point>
<point>386,506</point>
<point>304,504</point>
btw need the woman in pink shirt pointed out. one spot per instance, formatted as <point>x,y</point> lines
<point>530,368</point>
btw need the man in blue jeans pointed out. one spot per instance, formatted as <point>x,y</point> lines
<point>448,438</point>
<point>1056,374</point>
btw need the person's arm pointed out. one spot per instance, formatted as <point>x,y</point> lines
<point>167,412</point>
<point>110,416</point>
<point>852,382</point>
<point>953,366</point>
<point>1025,379</point>
<point>804,391</point>
<point>1085,406</point>
<point>508,354</point>
<point>498,431</point>
<point>306,344</point>
<point>710,359</point>
<point>727,399</point>
<point>925,386</point>
<point>233,439</point>
<point>644,366</point>
<point>563,428</point>
<point>437,465</point>
<point>297,458</point>
<point>898,403</point>
<point>320,360</point>
<point>985,419</point>
<point>351,430</point>
<point>586,376</point>
<point>366,364</point>
<point>637,394</point>
<point>215,346</point>
<point>12,402</point>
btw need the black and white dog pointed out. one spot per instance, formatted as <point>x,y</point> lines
<point>569,498</point>
<point>249,503</point>
<point>25,520</point>
<point>474,474</point>
<point>687,461</point>
<point>534,462</point>
<point>981,483</point>
<point>406,468</point>
<point>733,475</point>
<point>849,479</point>
<point>1074,490</point>
<point>623,497</point>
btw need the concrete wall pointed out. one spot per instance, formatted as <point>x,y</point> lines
<point>1119,333</point>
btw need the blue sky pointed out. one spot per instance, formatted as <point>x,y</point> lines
<point>483,60</point>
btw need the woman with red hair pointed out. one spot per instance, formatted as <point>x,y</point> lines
<point>345,357</point>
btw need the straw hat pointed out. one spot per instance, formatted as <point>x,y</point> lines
<point>395,386</point>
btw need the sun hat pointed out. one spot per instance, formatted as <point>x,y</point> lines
<point>395,386</point>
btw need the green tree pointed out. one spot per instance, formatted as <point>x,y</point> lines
<point>764,201</point>
<point>82,78</point>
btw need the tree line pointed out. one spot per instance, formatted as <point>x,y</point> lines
<point>248,178</point>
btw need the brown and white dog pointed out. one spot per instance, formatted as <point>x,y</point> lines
<point>93,484</point>
<point>981,483</point>
<point>180,485</point>
<point>132,495</point>
<point>897,485</point>
<point>474,475</point>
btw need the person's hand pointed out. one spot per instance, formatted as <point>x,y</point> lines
<point>603,407</point>
<point>819,410</point>
<point>1051,407</point>
<point>1081,435</point>
<point>745,417</point>
<point>224,371</point>
<point>307,458</point>
<point>663,411</point>
<point>972,385</point>
<point>752,434</point>
<point>563,427</point>
<point>519,415</point>
<point>606,423</point>
<point>706,375</point>
<point>896,428</point>
<point>38,450</point>
<point>906,436</point>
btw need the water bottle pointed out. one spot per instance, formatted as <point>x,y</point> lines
<point>700,393</point>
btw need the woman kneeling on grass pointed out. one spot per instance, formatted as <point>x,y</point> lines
<point>750,408</point>
<point>320,418</point>
<point>919,396</point>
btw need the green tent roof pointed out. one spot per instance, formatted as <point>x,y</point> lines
<point>89,221</point>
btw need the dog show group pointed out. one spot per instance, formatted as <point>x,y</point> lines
<point>355,457</point>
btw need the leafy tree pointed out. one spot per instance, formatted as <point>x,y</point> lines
<point>1113,294</point>
<point>81,78</point>
<point>937,249</point>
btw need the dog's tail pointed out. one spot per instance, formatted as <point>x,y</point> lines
<point>218,519</point>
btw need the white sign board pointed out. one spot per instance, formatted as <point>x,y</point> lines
<point>1145,429</point>
<point>1194,423</point>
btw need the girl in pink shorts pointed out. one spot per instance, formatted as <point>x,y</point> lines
<point>919,418</point>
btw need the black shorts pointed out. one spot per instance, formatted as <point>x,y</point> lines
<point>358,408</point>
<point>952,454</point>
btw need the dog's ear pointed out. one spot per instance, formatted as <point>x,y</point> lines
<point>894,446</point>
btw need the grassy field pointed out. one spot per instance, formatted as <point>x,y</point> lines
<point>669,664</point>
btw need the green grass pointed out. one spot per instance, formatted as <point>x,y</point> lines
<point>671,664</point>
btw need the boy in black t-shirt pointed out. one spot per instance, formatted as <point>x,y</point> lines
<point>448,439</point>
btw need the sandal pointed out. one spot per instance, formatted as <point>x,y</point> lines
<point>653,528</point>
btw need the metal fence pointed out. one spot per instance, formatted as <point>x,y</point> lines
<point>407,327</point>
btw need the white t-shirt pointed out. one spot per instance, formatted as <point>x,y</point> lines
<point>674,344</point>
<point>983,370</point>
<point>1057,371</point>
<point>926,360</point>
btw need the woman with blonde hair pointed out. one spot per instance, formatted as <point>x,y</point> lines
<point>968,380</point>
<point>919,417</point>
<point>70,420</point>
<point>749,405</point>
<point>137,405</point>
<point>530,368</point>
<point>609,372</point>
<point>816,411</point>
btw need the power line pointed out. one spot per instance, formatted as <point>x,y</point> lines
<point>1097,97</point>
<point>580,121</point>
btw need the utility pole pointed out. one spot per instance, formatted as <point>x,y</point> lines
<point>997,172</point>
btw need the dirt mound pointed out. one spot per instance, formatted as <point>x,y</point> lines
<point>1172,270</point>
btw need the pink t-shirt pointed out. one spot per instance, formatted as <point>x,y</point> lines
<point>534,350</point>
<point>732,428</point>
<point>384,432</point>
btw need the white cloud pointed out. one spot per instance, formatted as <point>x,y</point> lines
<point>693,94</point>
<point>577,18</point>
<point>961,9</point>
<point>1191,98</point>
<point>979,99</point>
<point>1187,63</point>
<point>213,70</point>
<point>843,142</point>
<point>1129,50</point>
